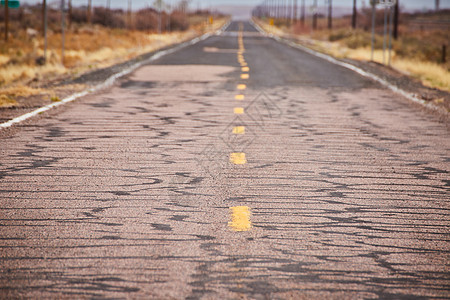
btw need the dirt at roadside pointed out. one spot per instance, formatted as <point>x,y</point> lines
<point>436,98</point>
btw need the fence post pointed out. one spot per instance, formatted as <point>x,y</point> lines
<point>444,53</point>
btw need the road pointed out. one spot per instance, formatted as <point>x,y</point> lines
<point>235,168</point>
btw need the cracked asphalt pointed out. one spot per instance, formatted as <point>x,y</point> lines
<point>235,168</point>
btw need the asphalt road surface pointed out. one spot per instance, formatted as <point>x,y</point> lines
<point>236,168</point>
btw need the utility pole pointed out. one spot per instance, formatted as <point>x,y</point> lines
<point>108,4</point>
<point>295,11</point>
<point>354,15</point>
<point>44,8</point>
<point>278,9</point>
<point>396,13</point>
<point>159,4</point>
<point>89,11</point>
<point>384,34</point>
<point>6,19</point>
<point>129,14</point>
<point>437,5</point>
<point>330,14</point>
<point>303,13</point>
<point>69,21</point>
<point>391,16</point>
<point>169,13</point>
<point>315,15</point>
<point>63,37</point>
<point>374,8</point>
<point>288,18</point>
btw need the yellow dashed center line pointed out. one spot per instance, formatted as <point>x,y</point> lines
<point>239,130</point>
<point>240,218</point>
<point>238,158</point>
<point>238,110</point>
<point>240,215</point>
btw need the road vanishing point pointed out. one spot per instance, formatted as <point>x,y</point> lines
<point>234,168</point>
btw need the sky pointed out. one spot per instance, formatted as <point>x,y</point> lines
<point>408,4</point>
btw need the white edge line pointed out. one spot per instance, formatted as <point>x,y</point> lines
<point>360,71</point>
<point>109,81</point>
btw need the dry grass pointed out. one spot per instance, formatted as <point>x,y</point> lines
<point>22,91</point>
<point>431,74</point>
<point>23,73</point>
<point>6,102</point>
<point>8,95</point>
<point>86,48</point>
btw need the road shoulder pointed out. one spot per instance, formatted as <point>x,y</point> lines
<point>432,100</point>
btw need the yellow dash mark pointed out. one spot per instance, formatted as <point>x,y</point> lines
<point>239,97</point>
<point>239,130</point>
<point>238,158</point>
<point>240,218</point>
<point>243,64</point>
<point>241,87</point>
<point>244,76</point>
<point>245,69</point>
<point>239,110</point>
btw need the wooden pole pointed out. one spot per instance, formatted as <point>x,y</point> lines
<point>6,20</point>
<point>129,14</point>
<point>63,36</point>
<point>295,11</point>
<point>89,11</point>
<point>303,17</point>
<point>444,54</point>
<point>69,16</point>
<point>396,13</point>
<point>354,15</point>
<point>44,7</point>
<point>330,14</point>
<point>314,21</point>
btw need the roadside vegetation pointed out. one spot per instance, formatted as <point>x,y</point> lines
<point>417,52</point>
<point>99,40</point>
